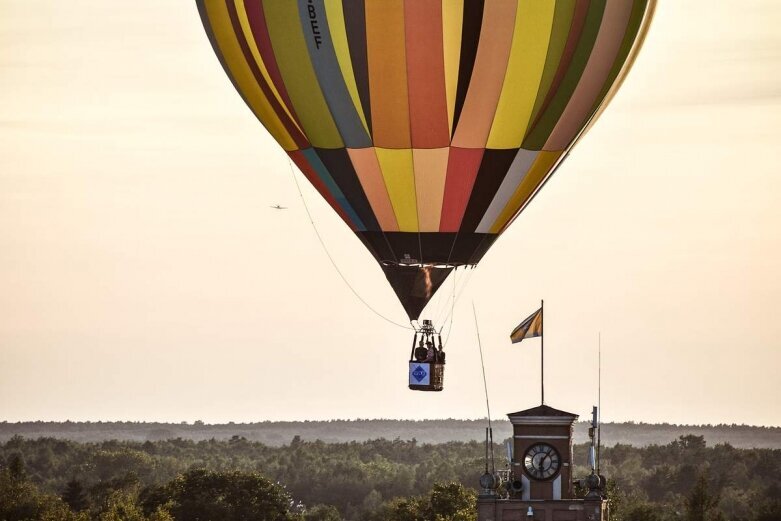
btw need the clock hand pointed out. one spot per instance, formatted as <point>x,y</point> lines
<point>544,456</point>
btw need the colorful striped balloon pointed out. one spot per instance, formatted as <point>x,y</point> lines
<point>428,125</point>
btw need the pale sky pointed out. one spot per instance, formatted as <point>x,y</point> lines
<point>143,275</point>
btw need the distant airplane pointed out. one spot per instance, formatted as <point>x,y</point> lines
<point>277,207</point>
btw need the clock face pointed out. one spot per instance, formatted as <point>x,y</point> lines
<point>541,461</point>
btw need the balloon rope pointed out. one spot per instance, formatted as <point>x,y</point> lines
<point>450,315</point>
<point>450,302</point>
<point>442,302</point>
<point>485,386</point>
<point>333,262</point>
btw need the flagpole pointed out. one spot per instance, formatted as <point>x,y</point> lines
<point>542,352</point>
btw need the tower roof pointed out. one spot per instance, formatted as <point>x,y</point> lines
<point>542,411</point>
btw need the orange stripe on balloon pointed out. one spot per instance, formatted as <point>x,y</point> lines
<point>430,174</point>
<point>370,175</point>
<point>426,74</point>
<point>385,41</point>
<point>462,167</point>
<point>485,87</point>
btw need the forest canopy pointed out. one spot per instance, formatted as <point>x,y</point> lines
<point>376,480</point>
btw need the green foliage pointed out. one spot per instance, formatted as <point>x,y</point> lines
<point>378,480</point>
<point>75,496</point>
<point>224,496</point>
<point>20,500</point>
<point>452,502</point>
<point>122,506</point>
<point>445,502</point>
<point>770,511</point>
<point>642,512</point>
<point>701,504</point>
<point>322,513</point>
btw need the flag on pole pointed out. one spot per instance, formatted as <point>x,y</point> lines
<point>529,328</point>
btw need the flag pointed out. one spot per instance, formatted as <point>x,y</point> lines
<point>529,328</point>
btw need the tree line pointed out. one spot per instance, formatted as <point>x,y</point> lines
<point>279,433</point>
<point>376,480</point>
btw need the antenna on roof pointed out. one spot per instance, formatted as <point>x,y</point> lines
<point>485,386</point>
<point>592,433</point>
<point>598,416</point>
<point>486,450</point>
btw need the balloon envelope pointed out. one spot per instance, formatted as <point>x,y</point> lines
<point>427,125</point>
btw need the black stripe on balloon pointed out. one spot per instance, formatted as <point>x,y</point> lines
<point>470,38</point>
<point>338,164</point>
<point>436,246</point>
<point>493,169</point>
<point>380,253</point>
<point>415,286</point>
<point>482,247</point>
<point>378,245</point>
<point>355,26</point>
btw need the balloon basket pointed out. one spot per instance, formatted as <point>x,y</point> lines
<point>424,376</point>
<point>427,360</point>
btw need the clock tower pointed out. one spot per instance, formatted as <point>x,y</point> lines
<point>542,450</point>
<point>539,484</point>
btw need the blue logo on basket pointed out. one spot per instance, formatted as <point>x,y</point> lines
<point>419,373</point>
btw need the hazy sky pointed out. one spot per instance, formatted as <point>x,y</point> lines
<point>144,277</point>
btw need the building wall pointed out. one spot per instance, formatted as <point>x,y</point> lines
<point>560,438</point>
<point>564,510</point>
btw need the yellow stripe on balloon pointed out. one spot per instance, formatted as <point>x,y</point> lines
<point>241,10</point>
<point>485,86</point>
<point>533,24</point>
<point>295,66</point>
<point>452,21</point>
<point>335,15</point>
<point>536,175</point>
<point>243,76</point>
<point>397,170</point>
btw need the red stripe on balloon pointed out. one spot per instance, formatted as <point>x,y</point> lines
<point>299,159</point>
<point>462,168</point>
<point>426,74</point>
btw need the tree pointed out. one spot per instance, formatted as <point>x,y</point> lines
<point>691,442</point>
<point>20,500</point>
<point>770,511</point>
<point>122,506</point>
<point>322,513</point>
<point>16,468</point>
<point>74,496</point>
<point>403,509</point>
<point>642,512</point>
<point>701,504</point>
<point>445,502</point>
<point>224,496</point>
<point>452,502</point>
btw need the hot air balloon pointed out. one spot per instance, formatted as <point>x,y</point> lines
<point>427,125</point>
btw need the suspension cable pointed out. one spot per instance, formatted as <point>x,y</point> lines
<point>330,257</point>
<point>464,285</point>
<point>485,386</point>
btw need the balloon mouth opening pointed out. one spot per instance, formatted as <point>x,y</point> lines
<point>413,263</point>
